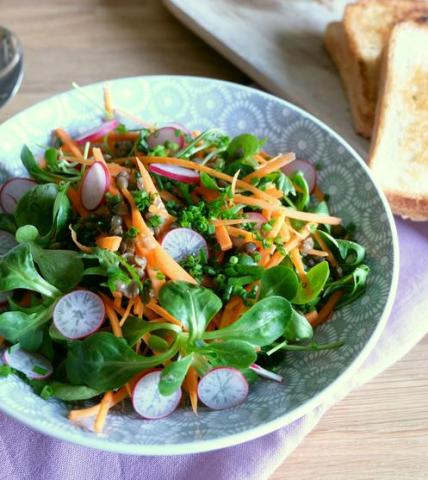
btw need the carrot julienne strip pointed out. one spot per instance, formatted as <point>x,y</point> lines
<point>223,238</point>
<point>114,321</point>
<point>214,173</point>
<point>327,310</point>
<point>164,313</point>
<point>271,166</point>
<point>103,411</point>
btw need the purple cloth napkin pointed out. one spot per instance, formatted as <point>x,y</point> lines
<point>29,455</point>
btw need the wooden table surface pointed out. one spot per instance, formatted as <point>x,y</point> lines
<point>378,432</point>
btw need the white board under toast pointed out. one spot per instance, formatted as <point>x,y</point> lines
<point>278,43</point>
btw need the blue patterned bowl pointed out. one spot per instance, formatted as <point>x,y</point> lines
<point>310,377</point>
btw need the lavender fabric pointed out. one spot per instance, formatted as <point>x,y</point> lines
<point>29,455</point>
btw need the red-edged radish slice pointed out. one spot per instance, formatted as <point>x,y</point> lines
<point>7,242</point>
<point>12,191</point>
<point>98,132</point>
<point>175,172</point>
<point>149,402</point>
<point>266,373</point>
<point>166,134</point>
<point>257,218</point>
<point>94,186</point>
<point>32,365</point>
<point>78,314</point>
<point>223,387</point>
<point>306,168</point>
<point>181,127</point>
<point>180,243</point>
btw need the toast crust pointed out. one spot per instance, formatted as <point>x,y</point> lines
<point>368,25</point>
<point>403,201</point>
<point>336,45</point>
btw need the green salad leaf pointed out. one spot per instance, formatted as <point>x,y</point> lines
<point>173,375</point>
<point>317,277</point>
<point>279,280</point>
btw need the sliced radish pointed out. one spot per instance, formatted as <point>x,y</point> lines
<point>33,365</point>
<point>166,134</point>
<point>181,127</point>
<point>180,243</point>
<point>223,387</point>
<point>266,373</point>
<point>257,218</point>
<point>94,186</point>
<point>78,314</point>
<point>7,242</point>
<point>306,168</point>
<point>98,132</point>
<point>12,191</point>
<point>149,402</point>
<point>174,172</point>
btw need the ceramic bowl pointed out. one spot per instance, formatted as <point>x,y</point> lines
<point>310,378</point>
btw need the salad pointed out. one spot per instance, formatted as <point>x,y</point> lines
<point>165,265</point>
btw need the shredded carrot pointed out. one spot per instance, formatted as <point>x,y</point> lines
<point>223,238</point>
<point>232,221</point>
<point>108,301</point>
<point>117,299</point>
<point>274,192</point>
<point>98,155</point>
<point>72,146</point>
<point>1,341</point>
<point>105,406</point>
<point>84,248</point>
<point>267,214</point>
<point>271,166</point>
<point>170,267</point>
<point>239,232</point>
<point>231,311</point>
<point>265,254</point>
<point>114,321</point>
<point>254,202</point>
<point>138,307</point>
<point>118,397</point>
<point>206,193</point>
<point>311,317</point>
<point>326,311</point>
<point>324,247</point>
<point>74,197</point>
<point>157,283</point>
<point>276,227</point>
<point>107,102</point>
<point>163,313</point>
<point>275,260</point>
<point>115,168</point>
<point>296,258</point>
<point>214,173</point>
<point>285,232</point>
<point>150,188</point>
<point>317,253</point>
<point>312,217</point>
<point>127,312</point>
<point>167,196</point>
<point>190,385</point>
<point>111,243</point>
<point>260,159</point>
<point>26,300</point>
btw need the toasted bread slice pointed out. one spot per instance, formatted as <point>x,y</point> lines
<point>337,46</point>
<point>399,152</point>
<point>367,25</point>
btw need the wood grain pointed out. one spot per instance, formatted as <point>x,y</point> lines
<point>380,431</point>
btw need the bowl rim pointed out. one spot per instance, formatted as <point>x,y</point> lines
<point>333,388</point>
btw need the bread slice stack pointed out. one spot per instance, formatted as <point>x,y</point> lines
<point>399,150</point>
<point>356,45</point>
<point>381,51</point>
